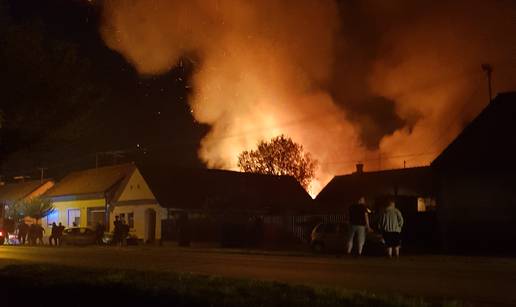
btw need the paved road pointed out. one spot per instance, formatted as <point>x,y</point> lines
<point>480,280</point>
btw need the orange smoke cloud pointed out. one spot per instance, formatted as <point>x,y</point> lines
<point>301,68</point>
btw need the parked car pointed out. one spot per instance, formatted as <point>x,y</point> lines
<point>78,236</point>
<point>332,238</point>
<point>3,235</point>
<point>108,239</point>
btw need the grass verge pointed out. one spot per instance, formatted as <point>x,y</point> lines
<point>50,285</point>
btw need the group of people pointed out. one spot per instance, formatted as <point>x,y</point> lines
<point>389,223</point>
<point>120,231</point>
<point>33,234</point>
<point>56,234</point>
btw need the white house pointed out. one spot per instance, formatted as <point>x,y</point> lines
<point>85,198</point>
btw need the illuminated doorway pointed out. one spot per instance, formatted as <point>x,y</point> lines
<point>150,223</point>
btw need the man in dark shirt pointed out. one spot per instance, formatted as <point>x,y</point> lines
<point>39,234</point>
<point>59,233</point>
<point>23,229</point>
<point>117,237</point>
<point>32,234</point>
<point>53,235</point>
<point>358,225</point>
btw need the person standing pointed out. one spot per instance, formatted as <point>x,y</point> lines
<point>32,234</point>
<point>39,234</point>
<point>59,233</point>
<point>124,232</point>
<point>358,225</point>
<point>23,229</point>
<point>116,230</point>
<point>9,226</point>
<point>53,235</point>
<point>391,223</point>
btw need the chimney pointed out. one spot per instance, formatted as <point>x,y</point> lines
<point>360,168</point>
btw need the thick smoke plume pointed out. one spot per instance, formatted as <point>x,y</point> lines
<point>381,82</point>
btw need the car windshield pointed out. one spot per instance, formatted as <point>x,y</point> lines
<point>72,231</point>
<point>85,231</point>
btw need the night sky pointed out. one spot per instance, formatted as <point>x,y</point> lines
<point>194,83</point>
<point>146,117</point>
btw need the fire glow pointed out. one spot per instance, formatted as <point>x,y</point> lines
<point>280,67</point>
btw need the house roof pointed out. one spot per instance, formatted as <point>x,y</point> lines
<point>208,189</point>
<point>345,189</point>
<point>19,190</point>
<point>489,141</point>
<point>92,182</point>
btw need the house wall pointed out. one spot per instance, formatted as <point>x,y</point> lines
<point>137,198</point>
<point>62,209</point>
<point>477,211</point>
<point>140,218</point>
<point>136,189</point>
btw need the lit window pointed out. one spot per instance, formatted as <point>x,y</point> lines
<point>421,204</point>
<point>53,217</point>
<point>74,217</point>
<point>95,215</point>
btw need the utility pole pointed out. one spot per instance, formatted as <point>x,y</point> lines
<point>42,170</point>
<point>488,69</point>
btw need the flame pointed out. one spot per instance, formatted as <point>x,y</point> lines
<point>281,67</point>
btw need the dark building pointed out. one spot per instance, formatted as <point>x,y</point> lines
<point>477,182</point>
<point>411,188</point>
<point>211,190</point>
<point>11,193</point>
<point>223,205</point>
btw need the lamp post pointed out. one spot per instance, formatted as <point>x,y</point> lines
<point>488,69</point>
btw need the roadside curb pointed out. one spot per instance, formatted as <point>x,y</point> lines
<point>199,249</point>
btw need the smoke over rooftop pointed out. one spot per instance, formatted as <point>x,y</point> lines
<point>349,80</point>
